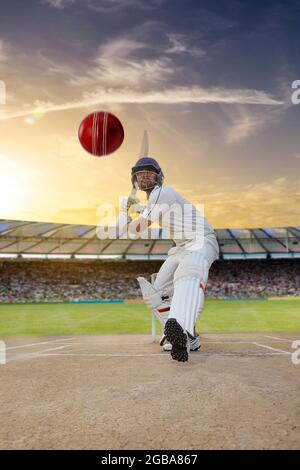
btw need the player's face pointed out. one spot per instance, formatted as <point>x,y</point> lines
<point>146,179</point>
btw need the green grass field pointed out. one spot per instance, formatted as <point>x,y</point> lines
<point>219,316</point>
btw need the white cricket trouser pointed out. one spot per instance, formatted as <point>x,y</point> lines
<point>183,277</point>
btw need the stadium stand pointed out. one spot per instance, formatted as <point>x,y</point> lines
<point>42,262</point>
<point>64,281</point>
<point>46,240</point>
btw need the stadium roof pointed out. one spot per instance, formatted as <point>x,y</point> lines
<point>50,241</point>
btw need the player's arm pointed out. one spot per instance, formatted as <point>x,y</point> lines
<point>138,225</point>
<point>125,223</point>
<point>152,214</point>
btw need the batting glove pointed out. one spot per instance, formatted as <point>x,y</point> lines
<point>127,202</point>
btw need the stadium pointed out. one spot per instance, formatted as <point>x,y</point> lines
<point>149,229</point>
<point>71,305</point>
<point>44,262</point>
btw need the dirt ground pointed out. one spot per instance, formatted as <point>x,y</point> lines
<point>121,392</point>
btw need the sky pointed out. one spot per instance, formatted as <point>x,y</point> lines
<point>209,80</point>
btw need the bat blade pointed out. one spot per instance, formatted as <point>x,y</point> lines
<point>144,152</point>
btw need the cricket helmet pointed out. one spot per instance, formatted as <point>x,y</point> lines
<point>147,163</point>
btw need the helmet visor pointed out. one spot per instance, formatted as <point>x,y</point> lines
<point>146,179</point>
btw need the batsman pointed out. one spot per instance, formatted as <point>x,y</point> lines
<point>177,294</point>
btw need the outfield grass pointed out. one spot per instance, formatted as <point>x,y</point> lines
<point>219,316</point>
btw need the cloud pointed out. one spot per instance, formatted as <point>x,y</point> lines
<point>54,68</point>
<point>171,96</point>
<point>181,44</point>
<point>120,74</point>
<point>244,124</point>
<point>269,203</point>
<point>58,4</point>
<point>266,204</point>
<point>246,121</point>
<point>106,6</point>
<point>118,64</point>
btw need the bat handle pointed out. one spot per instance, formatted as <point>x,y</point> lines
<point>131,197</point>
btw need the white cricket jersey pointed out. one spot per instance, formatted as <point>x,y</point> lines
<point>179,219</point>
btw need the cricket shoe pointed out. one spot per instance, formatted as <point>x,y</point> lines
<point>195,344</point>
<point>178,339</point>
<point>165,344</point>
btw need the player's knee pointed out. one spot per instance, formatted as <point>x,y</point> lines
<point>165,292</point>
<point>195,269</point>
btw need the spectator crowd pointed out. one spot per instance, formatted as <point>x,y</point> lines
<point>64,281</point>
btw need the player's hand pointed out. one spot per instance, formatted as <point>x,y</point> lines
<point>127,202</point>
<point>137,209</point>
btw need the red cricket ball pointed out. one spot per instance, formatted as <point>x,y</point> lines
<point>101,133</point>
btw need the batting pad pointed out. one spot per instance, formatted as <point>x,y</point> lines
<point>189,282</point>
<point>152,299</point>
